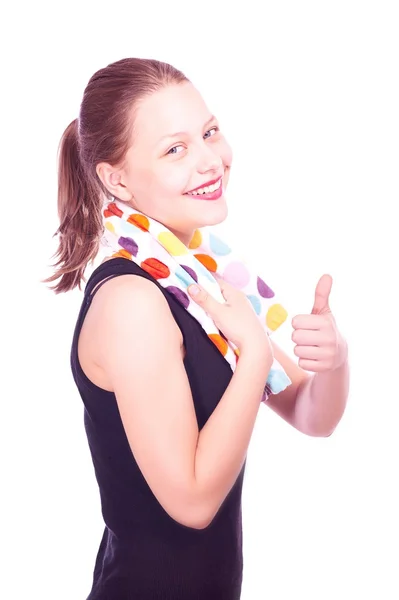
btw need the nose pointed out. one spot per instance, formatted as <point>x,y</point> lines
<point>208,160</point>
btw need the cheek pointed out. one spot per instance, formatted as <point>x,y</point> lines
<point>140,179</point>
<point>173,179</point>
<point>151,183</point>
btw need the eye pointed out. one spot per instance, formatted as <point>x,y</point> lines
<point>214,129</point>
<point>174,149</point>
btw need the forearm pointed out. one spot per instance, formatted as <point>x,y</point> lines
<point>321,400</point>
<point>223,442</point>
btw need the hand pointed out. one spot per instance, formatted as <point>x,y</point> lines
<point>319,344</point>
<point>236,318</point>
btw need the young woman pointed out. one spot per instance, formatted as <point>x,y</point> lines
<point>168,418</point>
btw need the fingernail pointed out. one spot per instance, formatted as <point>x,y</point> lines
<point>194,290</point>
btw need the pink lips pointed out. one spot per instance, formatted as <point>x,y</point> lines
<point>204,185</point>
<point>212,195</point>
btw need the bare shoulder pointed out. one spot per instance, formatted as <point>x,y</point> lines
<point>129,291</point>
<point>128,310</point>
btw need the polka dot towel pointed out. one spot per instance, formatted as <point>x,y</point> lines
<point>132,235</point>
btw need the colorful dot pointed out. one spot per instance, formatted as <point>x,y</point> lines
<point>219,342</point>
<point>276,315</point>
<point>122,254</point>
<point>196,240</point>
<point>128,244</point>
<point>202,271</point>
<point>139,221</point>
<point>217,246</point>
<point>278,380</point>
<point>156,268</point>
<point>129,229</point>
<point>179,295</point>
<point>237,354</point>
<point>184,276</point>
<point>112,210</point>
<point>207,261</point>
<point>172,244</point>
<point>191,272</point>
<point>264,289</point>
<point>237,274</point>
<point>110,227</point>
<point>256,303</point>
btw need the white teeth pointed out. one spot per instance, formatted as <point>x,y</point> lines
<point>207,190</point>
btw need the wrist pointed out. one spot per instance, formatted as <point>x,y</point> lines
<point>258,353</point>
<point>342,356</point>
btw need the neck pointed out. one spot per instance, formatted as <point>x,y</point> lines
<point>184,237</point>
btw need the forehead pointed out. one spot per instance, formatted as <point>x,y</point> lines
<point>174,108</point>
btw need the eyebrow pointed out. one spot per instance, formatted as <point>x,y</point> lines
<point>183,133</point>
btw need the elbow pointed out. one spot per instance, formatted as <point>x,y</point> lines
<point>191,508</point>
<point>316,431</point>
<point>204,513</point>
<point>198,517</point>
<point>201,523</point>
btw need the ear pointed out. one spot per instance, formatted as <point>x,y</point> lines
<point>113,180</point>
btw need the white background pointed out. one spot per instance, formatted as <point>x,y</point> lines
<point>307,94</point>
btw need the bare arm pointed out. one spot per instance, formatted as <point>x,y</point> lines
<point>223,442</point>
<point>189,472</point>
<point>315,402</point>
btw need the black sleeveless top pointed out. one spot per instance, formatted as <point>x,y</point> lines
<point>144,553</point>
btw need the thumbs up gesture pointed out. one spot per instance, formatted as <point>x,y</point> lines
<point>319,344</point>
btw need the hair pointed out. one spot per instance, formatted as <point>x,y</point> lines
<point>102,133</point>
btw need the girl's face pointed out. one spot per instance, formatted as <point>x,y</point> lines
<point>177,148</point>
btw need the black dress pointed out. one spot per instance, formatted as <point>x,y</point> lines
<point>144,553</point>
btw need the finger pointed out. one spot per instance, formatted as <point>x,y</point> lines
<point>308,322</point>
<point>203,298</point>
<point>314,366</point>
<point>309,352</point>
<point>322,294</point>
<point>222,284</point>
<point>229,291</point>
<point>306,337</point>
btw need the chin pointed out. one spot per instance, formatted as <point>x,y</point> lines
<point>213,213</point>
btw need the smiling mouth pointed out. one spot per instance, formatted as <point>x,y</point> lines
<point>206,189</point>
